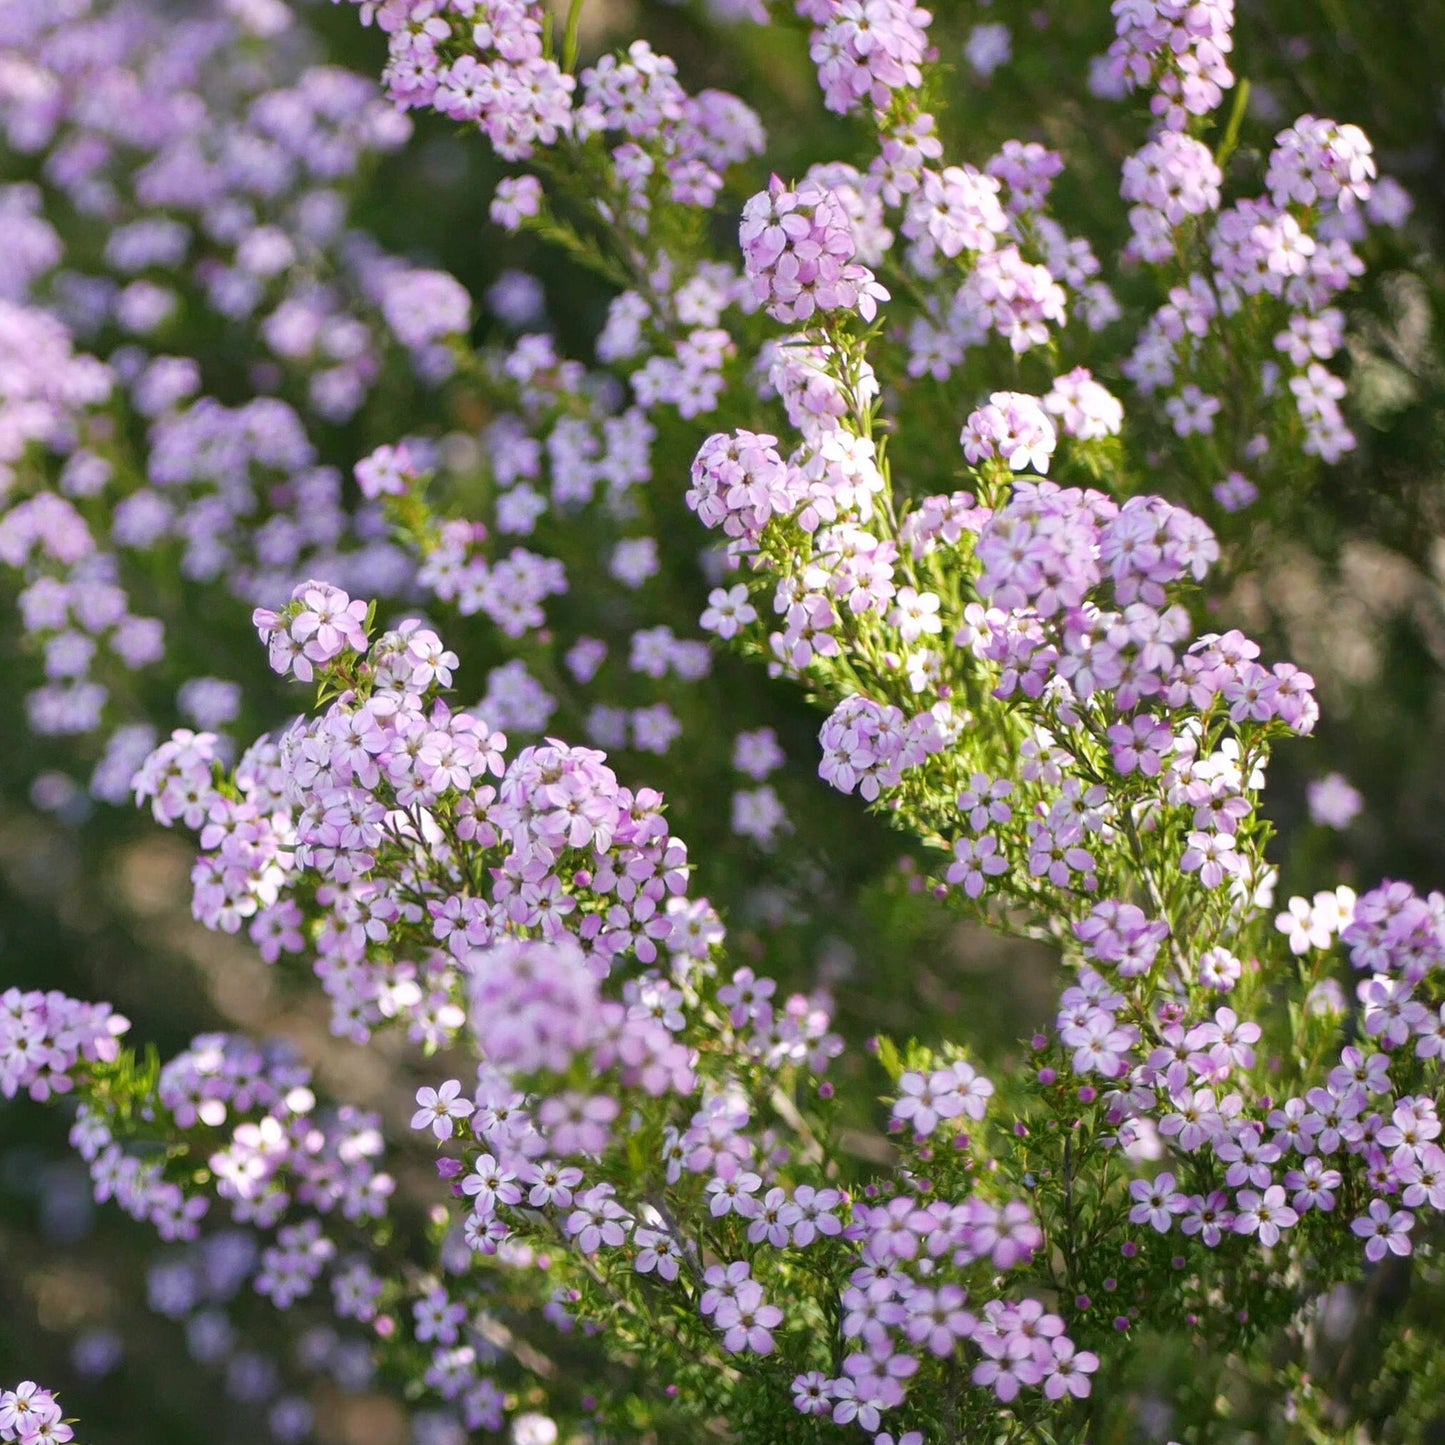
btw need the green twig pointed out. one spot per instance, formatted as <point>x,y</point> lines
<point>1236,121</point>
<point>569,40</point>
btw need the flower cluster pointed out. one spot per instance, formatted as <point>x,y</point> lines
<point>1361,1131</point>
<point>496,77</point>
<point>321,623</point>
<point>44,1036</point>
<point>798,251</point>
<point>1319,163</point>
<point>865,53</point>
<point>532,975</point>
<point>278,1147</point>
<point>1181,48</point>
<point>30,1415</point>
<point>1278,261</point>
<point>337,798</point>
<point>629,1135</point>
<point>1074,618</point>
<point>222,188</point>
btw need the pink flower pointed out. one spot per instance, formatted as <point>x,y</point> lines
<point>1264,1214</point>
<point>387,472</point>
<point>1067,1371</point>
<point>798,250</point>
<point>747,1323</point>
<point>439,1107</point>
<point>975,861</point>
<point>1386,1232</point>
<point>516,199</point>
<point>1158,1202</point>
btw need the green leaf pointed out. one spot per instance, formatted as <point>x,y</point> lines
<point>888,1056</point>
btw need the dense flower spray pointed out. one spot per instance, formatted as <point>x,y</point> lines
<point>642,1166</point>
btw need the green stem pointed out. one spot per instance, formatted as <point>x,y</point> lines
<point>1231,131</point>
<point>569,40</point>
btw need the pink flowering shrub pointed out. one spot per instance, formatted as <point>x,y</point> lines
<point>649,1147</point>
<point>972,484</point>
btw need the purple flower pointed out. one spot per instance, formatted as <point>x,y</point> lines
<point>798,250</point>
<point>746,1322</point>
<point>1013,427</point>
<point>1157,1202</point>
<point>1333,801</point>
<point>1067,1371</point>
<point>975,861</point>
<point>1266,1214</point>
<point>1386,1232</point>
<point>1009,1363</point>
<point>440,1107</point>
<point>1209,1217</point>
